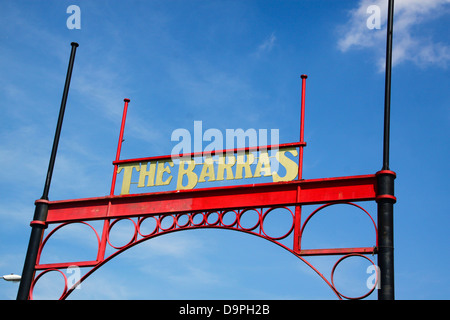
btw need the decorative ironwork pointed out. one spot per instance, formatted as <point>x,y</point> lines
<point>221,208</point>
<point>334,269</point>
<point>247,220</point>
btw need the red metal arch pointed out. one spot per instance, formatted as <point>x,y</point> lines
<point>203,204</point>
<point>191,223</point>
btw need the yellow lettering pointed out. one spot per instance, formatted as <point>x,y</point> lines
<point>160,172</point>
<point>263,165</point>
<point>127,173</point>
<point>207,171</point>
<point>191,176</point>
<point>290,165</point>
<point>144,173</point>
<point>241,164</point>
<point>230,161</point>
<point>152,173</point>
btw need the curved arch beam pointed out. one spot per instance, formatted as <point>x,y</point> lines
<point>204,220</point>
<point>132,244</point>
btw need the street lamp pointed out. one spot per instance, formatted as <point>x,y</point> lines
<point>12,277</point>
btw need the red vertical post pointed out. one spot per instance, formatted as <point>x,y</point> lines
<point>101,250</point>
<point>302,127</point>
<point>119,145</point>
<point>298,209</point>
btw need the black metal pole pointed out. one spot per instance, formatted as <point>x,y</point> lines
<point>387,88</point>
<point>385,184</point>
<point>40,214</point>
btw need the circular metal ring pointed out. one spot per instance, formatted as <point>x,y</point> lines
<point>284,235</point>
<point>141,220</point>
<point>348,256</point>
<point>240,217</point>
<point>161,218</point>
<point>193,215</point>
<point>212,223</point>
<point>41,274</point>
<point>132,239</point>
<point>222,215</point>
<point>177,220</point>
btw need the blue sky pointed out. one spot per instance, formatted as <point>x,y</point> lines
<point>229,64</point>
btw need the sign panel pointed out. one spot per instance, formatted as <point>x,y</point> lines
<point>183,172</point>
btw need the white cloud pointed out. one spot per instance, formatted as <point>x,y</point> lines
<point>408,43</point>
<point>268,44</point>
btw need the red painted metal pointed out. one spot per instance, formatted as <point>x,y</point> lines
<point>202,220</point>
<point>337,251</point>
<point>119,145</point>
<point>38,222</point>
<point>199,213</point>
<point>314,191</point>
<point>298,208</point>
<point>302,126</point>
<point>64,293</point>
<point>173,211</point>
<point>354,250</point>
<point>106,224</point>
<point>386,196</point>
<point>346,257</point>
<point>210,153</point>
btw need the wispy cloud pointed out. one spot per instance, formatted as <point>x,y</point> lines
<point>268,43</point>
<point>265,46</point>
<point>410,44</point>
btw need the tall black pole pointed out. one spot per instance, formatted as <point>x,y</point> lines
<point>38,224</point>
<point>385,184</point>
<point>387,88</point>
